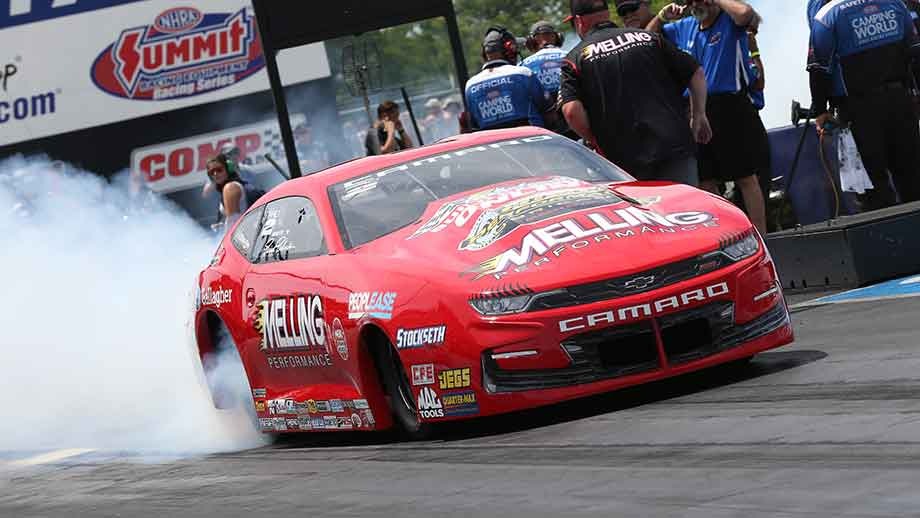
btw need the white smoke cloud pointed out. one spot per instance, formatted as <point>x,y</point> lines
<point>783,41</point>
<point>97,349</point>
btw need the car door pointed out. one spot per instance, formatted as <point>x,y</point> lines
<point>286,301</point>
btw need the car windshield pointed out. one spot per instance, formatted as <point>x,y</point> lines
<point>374,205</point>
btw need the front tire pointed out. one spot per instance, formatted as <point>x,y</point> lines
<point>402,401</point>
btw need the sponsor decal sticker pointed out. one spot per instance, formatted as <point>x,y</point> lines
<point>429,405</point>
<point>454,378</point>
<point>338,336</point>
<point>376,304</point>
<point>317,423</point>
<point>266,425</point>
<point>646,310</point>
<point>460,403</point>
<point>305,423</point>
<point>329,421</point>
<point>322,406</point>
<point>293,325</point>
<point>259,393</point>
<point>218,297</point>
<point>543,245</point>
<point>279,424</point>
<point>260,406</point>
<point>335,405</point>
<point>292,423</point>
<point>423,374</point>
<point>356,420</point>
<point>368,418</point>
<point>414,338</point>
<point>361,404</point>
<point>312,406</point>
<point>181,53</point>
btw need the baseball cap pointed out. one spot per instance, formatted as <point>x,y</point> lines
<point>493,42</point>
<point>621,4</point>
<point>542,27</point>
<point>583,7</point>
<point>433,103</point>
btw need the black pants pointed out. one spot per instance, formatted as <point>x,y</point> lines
<point>887,136</point>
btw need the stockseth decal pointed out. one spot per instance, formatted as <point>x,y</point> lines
<point>541,245</point>
<point>429,405</point>
<point>423,374</point>
<point>454,379</point>
<point>293,325</point>
<point>643,311</point>
<point>218,297</point>
<point>413,338</point>
<point>375,304</point>
<point>183,52</point>
<point>460,403</point>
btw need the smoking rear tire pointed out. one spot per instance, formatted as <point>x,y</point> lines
<point>402,401</point>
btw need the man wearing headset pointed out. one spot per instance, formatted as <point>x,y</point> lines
<point>504,95</point>
<point>546,64</point>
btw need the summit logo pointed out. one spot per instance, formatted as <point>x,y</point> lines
<point>183,52</point>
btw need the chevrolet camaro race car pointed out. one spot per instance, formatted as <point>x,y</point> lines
<point>485,274</point>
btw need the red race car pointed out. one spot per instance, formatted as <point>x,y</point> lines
<point>490,273</point>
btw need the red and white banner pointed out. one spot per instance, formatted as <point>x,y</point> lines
<point>182,164</point>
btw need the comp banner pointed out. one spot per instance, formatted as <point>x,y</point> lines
<point>74,64</point>
<point>182,164</point>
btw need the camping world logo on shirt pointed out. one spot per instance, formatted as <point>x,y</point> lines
<point>183,52</point>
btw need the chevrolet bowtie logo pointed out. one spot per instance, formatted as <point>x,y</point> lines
<point>639,283</point>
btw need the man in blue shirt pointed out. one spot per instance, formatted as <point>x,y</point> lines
<point>873,41</point>
<point>716,35</point>
<point>504,95</point>
<point>546,64</point>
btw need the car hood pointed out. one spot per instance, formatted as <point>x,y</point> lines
<point>552,232</point>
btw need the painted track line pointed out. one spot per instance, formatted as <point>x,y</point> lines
<point>50,457</point>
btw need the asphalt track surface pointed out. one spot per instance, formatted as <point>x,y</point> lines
<point>829,426</point>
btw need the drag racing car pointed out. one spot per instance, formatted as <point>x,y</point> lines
<point>485,274</point>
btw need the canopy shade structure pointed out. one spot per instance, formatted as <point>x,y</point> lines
<point>285,24</point>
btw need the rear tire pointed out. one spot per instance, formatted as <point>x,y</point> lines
<point>399,392</point>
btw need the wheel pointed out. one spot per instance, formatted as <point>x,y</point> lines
<point>399,392</point>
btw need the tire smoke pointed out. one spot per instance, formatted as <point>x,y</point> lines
<point>97,347</point>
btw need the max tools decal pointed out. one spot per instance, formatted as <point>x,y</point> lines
<point>429,405</point>
<point>181,53</point>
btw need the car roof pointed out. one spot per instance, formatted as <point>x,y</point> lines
<point>362,166</point>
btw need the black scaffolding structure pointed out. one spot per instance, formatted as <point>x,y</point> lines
<point>288,24</point>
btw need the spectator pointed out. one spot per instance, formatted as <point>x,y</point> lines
<point>635,13</point>
<point>503,95</point>
<point>391,135</point>
<point>453,109</point>
<point>313,155</point>
<point>873,42</point>
<point>621,91</point>
<point>716,35</point>
<point>226,179</point>
<point>434,125</point>
<point>546,65</point>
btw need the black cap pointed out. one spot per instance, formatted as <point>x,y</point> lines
<point>542,27</point>
<point>583,7</point>
<point>493,42</point>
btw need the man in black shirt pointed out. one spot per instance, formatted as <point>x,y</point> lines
<point>622,92</point>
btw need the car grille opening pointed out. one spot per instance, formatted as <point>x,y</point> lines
<point>632,349</point>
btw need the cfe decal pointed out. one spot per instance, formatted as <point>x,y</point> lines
<point>183,52</point>
<point>293,332</point>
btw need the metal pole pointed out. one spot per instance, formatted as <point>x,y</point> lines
<point>456,45</point>
<point>274,78</point>
<point>418,134</point>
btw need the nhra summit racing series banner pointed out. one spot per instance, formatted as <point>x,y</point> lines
<point>72,64</point>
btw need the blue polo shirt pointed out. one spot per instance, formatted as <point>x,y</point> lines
<point>546,65</point>
<point>722,50</point>
<point>504,93</point>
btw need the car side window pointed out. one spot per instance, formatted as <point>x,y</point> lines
<point>245,233</point>
<point>290,230</point>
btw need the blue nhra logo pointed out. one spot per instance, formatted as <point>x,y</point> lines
<point>21,12</point>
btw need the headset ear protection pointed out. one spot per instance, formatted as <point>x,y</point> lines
<point>509,44</point>
<point>532,45</point>
<point>228,162</point>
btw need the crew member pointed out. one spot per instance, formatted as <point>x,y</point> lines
<point>874,41</point>
<point>621,91</point>
<point>546,64</point>
<point>391,135</point>
<point>635,14</point>
<point>226,179</point>
<point>504,95</point>
<point>716,35</point>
